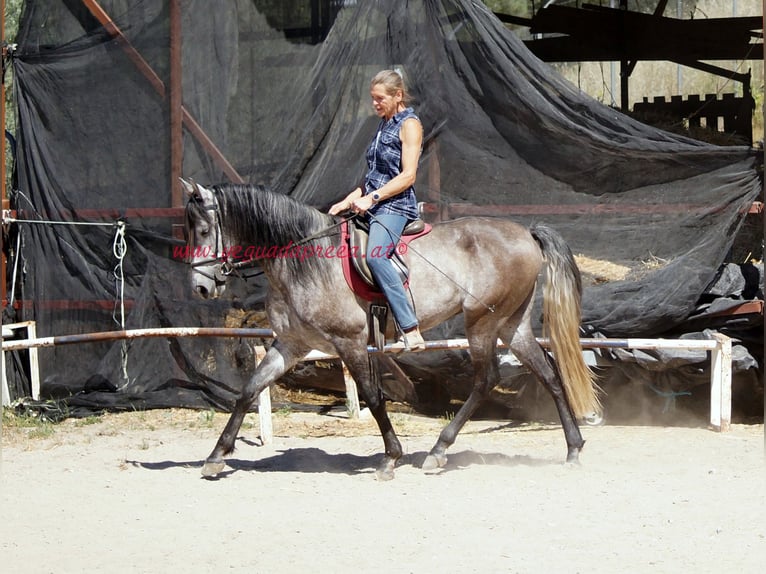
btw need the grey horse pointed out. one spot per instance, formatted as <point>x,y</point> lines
<point>485,268</point>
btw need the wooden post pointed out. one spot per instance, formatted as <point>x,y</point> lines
<point>34,365</point>
<point>352,396</point>
<point>720,383</point>
<point>264,403</point>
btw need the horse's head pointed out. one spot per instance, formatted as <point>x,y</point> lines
<point>204,240</point>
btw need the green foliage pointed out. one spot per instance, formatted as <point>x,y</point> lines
<point>208,417</point>
<point>12,14</point>
<point>522,8</point>
<point>87,421</point>
<point>34,426</point>
<point>284,411</point>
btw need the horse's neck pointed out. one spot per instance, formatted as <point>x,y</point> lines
<point>325,222</point>
<point>307,259</point>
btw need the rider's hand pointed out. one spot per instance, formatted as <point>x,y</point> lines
<point>362,204</point>
<point>340,207</point>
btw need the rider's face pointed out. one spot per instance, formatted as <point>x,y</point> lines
<point>385,104</point>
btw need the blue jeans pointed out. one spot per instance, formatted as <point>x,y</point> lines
<point>385,231</point>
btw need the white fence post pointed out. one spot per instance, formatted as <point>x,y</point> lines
<point>352,395</point>
<point>264,403</point>
<point>720,383</point>
<point>9,330</point>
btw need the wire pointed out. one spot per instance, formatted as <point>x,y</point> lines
<point>51,222</point>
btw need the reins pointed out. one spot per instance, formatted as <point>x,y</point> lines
<point>490,308</point>
<point>228,268</point>
<point>232,268</point>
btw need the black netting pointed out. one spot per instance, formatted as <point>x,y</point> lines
<point>650,215</point>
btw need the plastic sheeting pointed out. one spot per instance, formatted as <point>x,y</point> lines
<point>651,215</point>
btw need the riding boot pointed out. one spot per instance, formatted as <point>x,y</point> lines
<point>413,340</point>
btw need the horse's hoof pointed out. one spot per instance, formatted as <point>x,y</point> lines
<point>573,458</point>
<point>211,469</point>
<point>434,461</point>
<point>385,472</point>
<point>384,475</point>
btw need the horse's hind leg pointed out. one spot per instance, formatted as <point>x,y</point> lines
<point>277,361</point>
<point>534,357</point>
<point>486,376</point>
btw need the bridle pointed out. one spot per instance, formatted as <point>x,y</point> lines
<point>222,267</point>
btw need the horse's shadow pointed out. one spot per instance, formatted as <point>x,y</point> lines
<point>316,460</point>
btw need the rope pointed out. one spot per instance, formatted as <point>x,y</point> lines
<point>322,232</point>
<point>16,258</point>
<point>119,250</point>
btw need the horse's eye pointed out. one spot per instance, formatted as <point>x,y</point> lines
<point>205,231</point>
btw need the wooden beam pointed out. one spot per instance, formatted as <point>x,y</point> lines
<point>596,33</point>
<point>143,66</point>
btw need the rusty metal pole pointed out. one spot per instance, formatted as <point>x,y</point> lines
<point>763,215</point>
<point>5,202</point>
<point>176,102</point>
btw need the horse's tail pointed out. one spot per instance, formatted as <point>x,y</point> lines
<point>562,297</point>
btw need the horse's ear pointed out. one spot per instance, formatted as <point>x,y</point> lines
<point>190,188</point>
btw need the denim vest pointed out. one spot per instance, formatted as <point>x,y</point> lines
<point>384,162</point>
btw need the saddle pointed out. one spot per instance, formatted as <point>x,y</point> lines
<point>355,268</point>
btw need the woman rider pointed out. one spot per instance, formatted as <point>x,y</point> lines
<point>387,196</point>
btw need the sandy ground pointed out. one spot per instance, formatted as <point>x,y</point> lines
<point>123,493</point>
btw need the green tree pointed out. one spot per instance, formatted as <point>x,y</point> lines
<point>12,13</point>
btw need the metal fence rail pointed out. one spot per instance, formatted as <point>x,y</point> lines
<point>719,347</point>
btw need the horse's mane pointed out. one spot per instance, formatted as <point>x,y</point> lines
<point>271,222</point>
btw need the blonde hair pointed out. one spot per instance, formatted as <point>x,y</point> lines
<point>392,81</point>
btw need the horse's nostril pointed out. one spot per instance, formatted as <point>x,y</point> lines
<point>202,291</point>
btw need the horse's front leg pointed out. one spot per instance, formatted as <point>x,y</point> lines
<point>359,365</point>
<point>279,359</point>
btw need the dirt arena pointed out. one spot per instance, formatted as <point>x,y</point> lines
<point>123,493</point>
